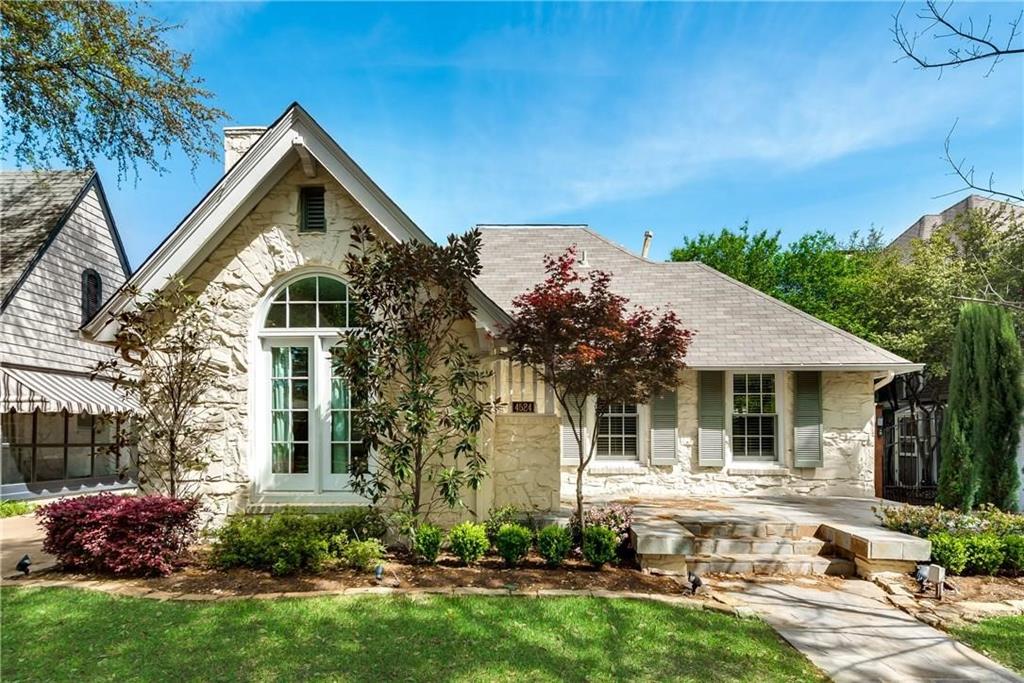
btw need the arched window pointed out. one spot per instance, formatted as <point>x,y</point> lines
<point>92,293</point>
<point>314,301</point>
<point>304,405</point>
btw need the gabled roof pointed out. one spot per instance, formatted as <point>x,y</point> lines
<point>736,326</point>
<point>35,206</point>
<point>293,135</point>
<point>925,226</point>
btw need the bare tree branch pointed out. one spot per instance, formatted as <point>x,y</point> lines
<point>969,44</point>
<point>966,175</point>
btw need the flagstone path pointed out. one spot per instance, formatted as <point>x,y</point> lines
<point>854,634</point>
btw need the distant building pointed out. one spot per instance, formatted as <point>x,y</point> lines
<point>60,259</point>
<point>910,431</point>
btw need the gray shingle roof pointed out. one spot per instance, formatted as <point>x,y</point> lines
<point>31,205</point>
<point>736,326</point>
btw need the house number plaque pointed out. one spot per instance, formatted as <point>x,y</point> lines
<point>523,407</point>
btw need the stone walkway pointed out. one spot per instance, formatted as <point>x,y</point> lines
<point>854,634</point>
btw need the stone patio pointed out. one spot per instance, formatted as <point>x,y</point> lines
<point>789,535</point>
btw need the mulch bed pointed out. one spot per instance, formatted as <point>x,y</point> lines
<point>403,572</point>
<point>976,588</point>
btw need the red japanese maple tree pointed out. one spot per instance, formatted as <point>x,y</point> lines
<point>585,340</point>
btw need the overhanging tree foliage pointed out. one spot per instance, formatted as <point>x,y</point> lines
<point>584,340</point>
<point>981,431</point>
<point>420,387</point>
<point>83,80</point>
<point>163,366</point>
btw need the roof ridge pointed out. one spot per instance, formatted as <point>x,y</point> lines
<point>818,321</point>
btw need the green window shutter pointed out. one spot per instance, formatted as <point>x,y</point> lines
<point>312,214</point>
<point>711,418</point>
<point>570,448</point>
<point>663,428</point>
<point>807,427</point>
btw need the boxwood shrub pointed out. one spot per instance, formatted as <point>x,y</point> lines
<point>513,542</point>
<point>468,542</point>
<point>554,543</point>
<point>600,545</point>
<point>984,554</point>
<point>950,551</point>
<point>427,540</point>
<point>1013,548</point>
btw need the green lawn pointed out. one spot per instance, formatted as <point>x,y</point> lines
<point>74,635</point>
<point>1001,638</point>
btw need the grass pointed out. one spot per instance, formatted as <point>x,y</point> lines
<point>77,635</point>
<point>13,508</point>
<point>1001,638</point>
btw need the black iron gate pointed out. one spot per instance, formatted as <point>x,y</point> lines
<point>911,455</point>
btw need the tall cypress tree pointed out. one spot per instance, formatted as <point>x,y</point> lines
<point>958,471</point>
<point>982,424</point>
<point>1001,402</point>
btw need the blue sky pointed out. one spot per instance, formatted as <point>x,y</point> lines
<point>676,118</point>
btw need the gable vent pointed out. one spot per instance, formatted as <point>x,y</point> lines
<point>312,217</point>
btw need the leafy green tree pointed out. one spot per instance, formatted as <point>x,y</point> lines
<point>163,366</point>
<point>419,385</point>
<point>753,259</point>
<point>88,79</point>
<point>817,273</point>
<point>982,423</point>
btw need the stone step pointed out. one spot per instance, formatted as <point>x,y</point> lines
<point>742,563</point>
<point>744,528</point>
<point>771,545</point>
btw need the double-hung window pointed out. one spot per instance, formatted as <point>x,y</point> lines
<point>755,419</point>
<point>618,429</point>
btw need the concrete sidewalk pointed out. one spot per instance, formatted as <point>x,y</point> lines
<point>20,536</point>
<point>853,634</point>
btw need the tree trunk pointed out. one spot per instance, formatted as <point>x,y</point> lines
<point>417,482</point>
<point>579,497</point>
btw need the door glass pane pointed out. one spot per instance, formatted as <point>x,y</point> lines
<point>279,361</point>
<point>289,414</point>
<point>280,458</point>
<point>300,361</point>
<point>339,425</point>
<point>339,393</point>
<point>300,394</point>
<point>300,458</point>
<point>339,458</point>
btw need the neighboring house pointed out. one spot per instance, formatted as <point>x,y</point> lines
<point>774,401</point>
<point>60,255</point>
<point>911,407</point>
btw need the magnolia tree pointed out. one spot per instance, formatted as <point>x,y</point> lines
<point>419,385</point>
<point>163,367</point>
<point>584,340</point>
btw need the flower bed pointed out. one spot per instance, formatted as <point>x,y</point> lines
<point>985,542</point>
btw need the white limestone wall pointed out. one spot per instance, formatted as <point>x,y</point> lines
<point>523,472</point>
<point>264,249</point>
<point>848,417</point>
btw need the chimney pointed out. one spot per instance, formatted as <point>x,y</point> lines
<point>237,141</point>
<point>648,235</point>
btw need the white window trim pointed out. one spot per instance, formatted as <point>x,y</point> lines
<point>615,465</point>
<point>781,408</point>
<point>258,446</point>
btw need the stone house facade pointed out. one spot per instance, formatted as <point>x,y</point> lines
<point>269,242</point>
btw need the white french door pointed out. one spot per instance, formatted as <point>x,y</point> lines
<point>305,414</point>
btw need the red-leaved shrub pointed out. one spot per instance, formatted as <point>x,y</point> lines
<point>124,535</point>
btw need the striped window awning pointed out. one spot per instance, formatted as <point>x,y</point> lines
<point>24,391</point>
